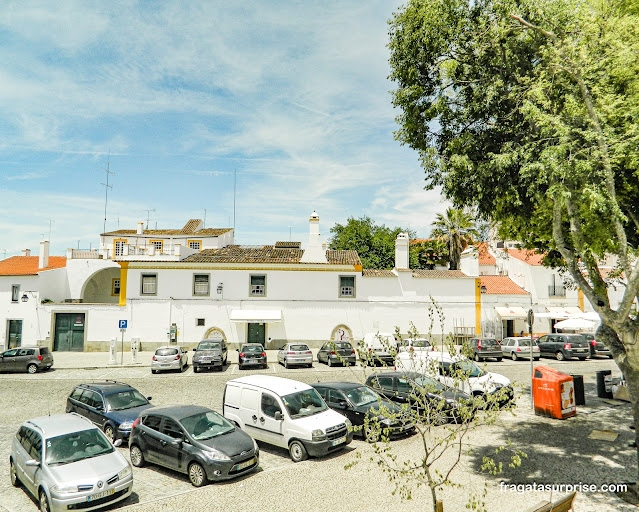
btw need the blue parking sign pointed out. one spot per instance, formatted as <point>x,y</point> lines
<point>122,324</point>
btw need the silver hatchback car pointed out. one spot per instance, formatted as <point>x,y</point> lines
<point>517,348</point>
<point>295,353</point>
<point>169,358</point>
<point>67,463</point>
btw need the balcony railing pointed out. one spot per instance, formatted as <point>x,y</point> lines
<point>556,291</point>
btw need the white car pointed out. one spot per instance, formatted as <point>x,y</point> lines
<point>446,369</point>
<point>415,344</point>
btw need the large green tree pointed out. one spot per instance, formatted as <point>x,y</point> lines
<point>528,110</point>
<point>374,243</point>
<point>456,229</point>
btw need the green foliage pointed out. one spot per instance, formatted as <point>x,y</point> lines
<point>427,254</point>
<point>375,244</point>
<point>456,229</point>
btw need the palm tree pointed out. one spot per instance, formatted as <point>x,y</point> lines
<point>457,230</point>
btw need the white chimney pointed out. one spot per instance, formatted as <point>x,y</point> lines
<point>140,228</point>
<point>43,262</point>
<point>401,251</point>
<point>26,252</point>
<point>314,253</point>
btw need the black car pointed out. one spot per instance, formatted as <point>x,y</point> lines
<point>485,348</point>
<point>440,404</point>
<point>564,346</point>
<point>251,355</point>
<point>366,409</point>
<point>597,347</point>
<point>112,406</point>
<point>194,440</point>
<point>337,352</point>
<point>210,354</point>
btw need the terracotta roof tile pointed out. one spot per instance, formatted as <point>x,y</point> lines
<point>267,254</point>
<point>288,245</point>
<point>160,232</point>
<point>530,257</point>
<point>485,258</point>
<point>373,272</point>
<point>343,258</point>
<point>191,226</point>
<point>501,285</point>
<point>439,274</point>
<point>28,265</point>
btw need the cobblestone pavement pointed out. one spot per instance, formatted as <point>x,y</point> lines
<point>558,451</point>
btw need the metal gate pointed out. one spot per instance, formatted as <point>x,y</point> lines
<point>69,332</point>
<point>256,333</point>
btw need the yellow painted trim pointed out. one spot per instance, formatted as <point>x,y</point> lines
<point>188,243</point>
<point>478,307</point>
<point>118,240</point>
<point>124,267</point>
<point>358,268</point>
<point>113,280</point>
<point>580,294</point>
<point>161,244</point>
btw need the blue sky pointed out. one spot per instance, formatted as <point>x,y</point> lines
<point>176,96</point>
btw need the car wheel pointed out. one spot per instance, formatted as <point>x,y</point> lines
<point>560,356</point>
<point>285,364</point>
<point>32,368</point>
<point>438,418</point>
<point>371,433</point>
<point>109,431</point>
<point>329,361</point>
<point>582,358</point>
<point>610,356</point>
<point>537,358</point>
<point>477,358</point>
<point>310,365</point>
<point>15,481</point>
<point>225,362</point>
<point>513,356</point>
<point>43,501</point>
<point>499,359</point>
<point>154,371</point>
<point>137,458</point>
<point>196,369</point>
<point>197,476</point>
<point>297,451</point>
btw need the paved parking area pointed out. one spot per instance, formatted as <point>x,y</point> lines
<point>321,484</point>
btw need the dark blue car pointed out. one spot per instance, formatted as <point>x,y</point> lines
<point>112,406</point>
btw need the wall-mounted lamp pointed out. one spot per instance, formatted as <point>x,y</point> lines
<point>25,297</point>
<point>220,287</point>
<point>483,289</point>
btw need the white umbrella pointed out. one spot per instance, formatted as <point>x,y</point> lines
<point>575,324</point>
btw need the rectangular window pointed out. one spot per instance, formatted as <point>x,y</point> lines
<point>201,284</point>
<point>199,322</point>
<point>115,287</point>
<point>347,286</point>
<point>157,244</point>
<point>118,247</point>
<point>15,292</point>
<point>149,284</point>
<point>195,244</point>
<point>258,286</point>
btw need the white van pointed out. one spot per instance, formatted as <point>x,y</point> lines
<point>377,347</point>
<point>443,367</point>
<point>285,413</point>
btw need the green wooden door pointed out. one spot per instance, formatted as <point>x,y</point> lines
<point>256,333</point>
<point>69,332</point>
<point>15,333</point>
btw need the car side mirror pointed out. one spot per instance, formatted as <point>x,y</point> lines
<point>99,408</point>
<point>194,350</point>
<point>237,350</point>
<point>342,404</point>
<point>32,462</point>
<point>117,443</point>
<point>149,398</point>
<point>279,416</point>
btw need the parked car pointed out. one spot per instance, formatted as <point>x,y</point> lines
<point>251,355</point>
<point>285,413</point>
<point>194,440</point>
<point>413,344</point>
<point>441,404</point>
<point>485,348</point>
<point>295,353</point>
<point>337,352</point>
<point>458,372</point>
<point>110,405</point>
<point>564,346</point>
<point>516,348</point>
<point>366,409</point>
<point>26,359</point>
<point>169,358</point>
<point>210,354</point>
<point>67,463</point>
<point>379,348</point>
<point>597,347</point>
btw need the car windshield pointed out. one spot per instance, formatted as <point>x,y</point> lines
<point>210,345</point>
<point>428,384</point>
<point>343,345</point>
<point>166,352</point>
<point>206,425</point>
<point>252,348</point>
<point>298,348</point>
<point>361,396</point>
<point>304,403</point>
<point>469,368</point>
<point>76,446</point>
<point>125,400</point>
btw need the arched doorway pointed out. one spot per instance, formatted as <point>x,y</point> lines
<point>342,333</point>
<point>215,333</point>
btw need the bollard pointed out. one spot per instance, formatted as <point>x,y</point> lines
<point>112,351</point>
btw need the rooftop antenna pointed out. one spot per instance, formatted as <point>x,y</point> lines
<point>204,223</point>
<point>289,233</point>
<point>148,215</point>
<point>106,190</point>
<point>50,222</point>
<point>234,188</point>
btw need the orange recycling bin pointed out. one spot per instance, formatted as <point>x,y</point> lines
<point>553,393</point>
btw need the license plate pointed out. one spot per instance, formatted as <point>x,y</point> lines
<point>337,441</point>
<point>244,465</point>
<point>100,495</point>
<point>581,350</point>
